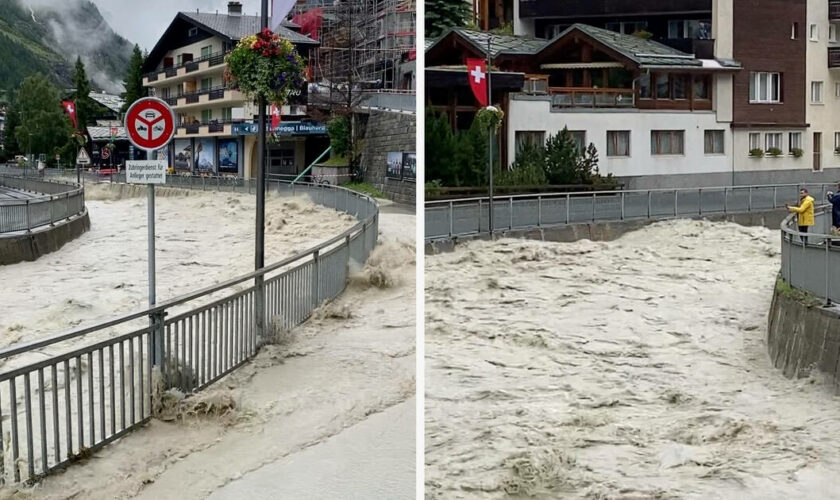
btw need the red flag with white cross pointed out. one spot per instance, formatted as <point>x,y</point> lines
<point>70,108</point>
<point>276,117</point>
<point>477,74</point>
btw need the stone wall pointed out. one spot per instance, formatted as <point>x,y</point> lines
<point>802,336</point>
<point>386,132</point>
<point>29,247</point>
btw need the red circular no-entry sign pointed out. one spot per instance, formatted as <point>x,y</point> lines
<point>150,123</point>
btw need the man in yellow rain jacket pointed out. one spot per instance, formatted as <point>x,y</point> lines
<point>804,213</point>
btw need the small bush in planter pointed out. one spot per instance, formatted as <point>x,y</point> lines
<point>774,152</point>
<point>797,152</point>
<point>837,150</point>
<point>757,153</point>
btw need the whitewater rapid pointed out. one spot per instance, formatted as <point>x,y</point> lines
<point>630,369</point>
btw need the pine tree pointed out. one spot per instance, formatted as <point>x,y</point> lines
<point>84,104</point>
<point>10,144</point>
<point>444,14</point>
<point>134,79</point>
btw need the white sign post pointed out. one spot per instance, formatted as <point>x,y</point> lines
<point>150,125</point>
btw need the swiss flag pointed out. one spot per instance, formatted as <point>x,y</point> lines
<point>275,116</point>
<point>70,108</point>
<point>477,74</point>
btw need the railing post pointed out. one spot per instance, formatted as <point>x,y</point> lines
<point>725,200</point>
<point>539,210</point>
<point>316,279</point>
<point>622,206</point>
<point>749,199</point>
<point>648,213</point>
<point>568,202</point>
<point>825,273</point>
<point>700,201</point>
<point>157,340</point>
<point>52,208</point>
<point>593,207</point>
<point>480,213</point>
<point>510,214</point>
<point>452,220</point>
<point>676,209</point>
<point>28,218</point>
<point>775,203</point>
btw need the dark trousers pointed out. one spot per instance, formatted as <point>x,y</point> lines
<point>804,229</point>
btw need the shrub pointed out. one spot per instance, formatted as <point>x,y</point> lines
<point>797,152</point>
<point>774,152</point>
<point>757,153</point>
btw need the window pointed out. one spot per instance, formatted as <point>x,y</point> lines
<point>532,138</point>
<point>765,87</point>
<point>628,28</point>
<point>815,33</point>
<point>836,142</point>
<point>713,142</point>
<point>206,51</point>
<point>179,59</point>
<point>206,83</point>
<point>794,31</point>
<point>676,29</point>
<point>193,32</point>
<point>755,141</point>
<point>701,87</point>
<point>227,114</point>
<point>681,83</point>
<point>794,141</point>
<point>816,92</point>
<point>832,33</point>
<point>667,142</point>
<point>644,86</point>
<point>579,138</point>
<point>206,115</point>
<point>662,87</point>
<point>618,143</point>
<point>773,140</point>
<point>837,90</point>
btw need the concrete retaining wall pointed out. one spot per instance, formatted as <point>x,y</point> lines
<point>607,231</point>
<point>803,337</point>
<point>29,247</point>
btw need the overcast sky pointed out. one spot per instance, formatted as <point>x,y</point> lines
<point>144,22</point>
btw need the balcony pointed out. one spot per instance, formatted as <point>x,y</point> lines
<point>588,8</point>
<point>584,97</point>
<point>191,68</point>
<point>213,128</point>
<point>203,98</point>
<point>834,10</point>
<point>701,48</point>
<point>834,57</point>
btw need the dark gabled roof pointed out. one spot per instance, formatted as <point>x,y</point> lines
<point>639,50</point>
<point>499,44</point>
<point>643,52</point>
<point>236,27</point>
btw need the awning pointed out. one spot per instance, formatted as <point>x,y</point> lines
<point>583,65</point>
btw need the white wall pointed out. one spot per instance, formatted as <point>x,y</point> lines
<point>535,115</point>
<point>195,48</point>
<point>823,117</point>
<point>745,163</point>
<point>521,27</point>
<point>722,28</point>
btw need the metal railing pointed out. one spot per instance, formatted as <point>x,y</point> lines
<point>91,385</point>
<point>469,216</point>
<point>58,201</point>
<point>811,261</point>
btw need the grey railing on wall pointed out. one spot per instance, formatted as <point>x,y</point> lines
<point>90,385</point>
<point>52,202</point>
<point>470,216</point>
<point>811,261</point>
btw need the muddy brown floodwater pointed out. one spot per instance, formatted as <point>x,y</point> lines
<point>630,369</point>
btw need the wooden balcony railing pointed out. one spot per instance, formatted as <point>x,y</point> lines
<point>584,97</point>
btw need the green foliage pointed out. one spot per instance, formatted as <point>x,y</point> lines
<point>490,118</point>
<point>528,169</point>
<point>444,14</point>
<point>504,29</point>
<point>774,152</point>
<point>364,188</point>
<point>265,65</point>
<point>10,144</point>
<point>433,189</point>
<point>133,82</point>
<point>43,127</point>
<point>805,298</point>
<point>340,140</point>
<point>85,106</point>
<point>797,152</point>
<point>757,153</point>
<point>557,162</point>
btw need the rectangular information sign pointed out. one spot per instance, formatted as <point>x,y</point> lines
<point>145,172</point>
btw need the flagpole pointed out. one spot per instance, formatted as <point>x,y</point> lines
<point>490,137</point>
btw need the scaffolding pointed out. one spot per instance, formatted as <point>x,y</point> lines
<point>363,42</point>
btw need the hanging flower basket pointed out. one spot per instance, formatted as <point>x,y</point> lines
<point>490,117</point>
<point>265,65</point>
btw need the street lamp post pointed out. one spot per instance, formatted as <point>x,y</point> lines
<point>259,251</point>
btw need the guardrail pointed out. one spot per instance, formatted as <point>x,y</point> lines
<point>59,200</point>
<point>811,261</point>
<point>448,219</point>
<point>73,399</point>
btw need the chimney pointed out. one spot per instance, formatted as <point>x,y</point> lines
<point>234,8</point>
